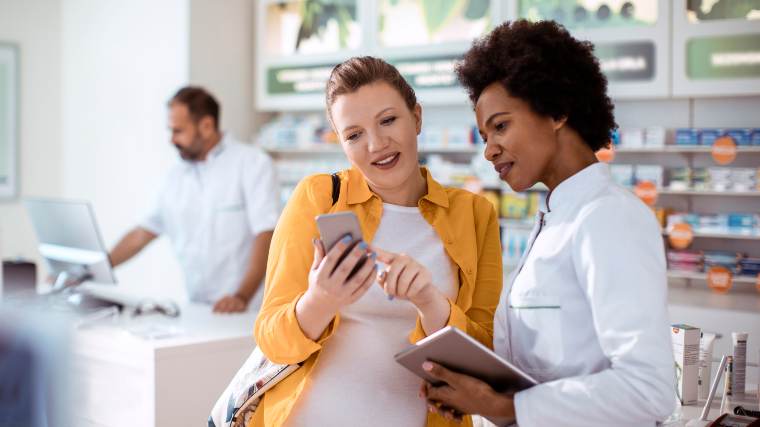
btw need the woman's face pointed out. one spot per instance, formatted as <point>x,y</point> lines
<point>378,133</point>
<point>520,143</point>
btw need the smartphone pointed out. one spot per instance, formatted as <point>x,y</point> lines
<point>334,227</point>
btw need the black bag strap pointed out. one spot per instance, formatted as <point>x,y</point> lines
<point>335,188</point>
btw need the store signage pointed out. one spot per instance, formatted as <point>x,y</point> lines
<point>680,235</point>
<point>630,61</point>
<point>723,57</point>
<point>429,73</point>
<point>298,79</point>
<point>724,150</point>
<point>422,73</point>
<point>719,279</point>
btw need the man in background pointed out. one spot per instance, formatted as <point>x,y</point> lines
<point>218,206</point>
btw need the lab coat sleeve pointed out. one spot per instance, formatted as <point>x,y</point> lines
<point>261,195</point>
<point>619,259</point>
<point>153,219</point>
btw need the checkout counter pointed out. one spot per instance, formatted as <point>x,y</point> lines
<point>151,363</point>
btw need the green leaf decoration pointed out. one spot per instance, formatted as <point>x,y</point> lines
<point>439,12</point>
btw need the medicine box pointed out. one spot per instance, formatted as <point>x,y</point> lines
<point>685,340</point>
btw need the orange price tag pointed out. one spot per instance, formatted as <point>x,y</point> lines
<point>647,192</point>
<point>724,150</point>
<point>719,279</point>
<point>681,235</point>
<point>757,282</point>
<point>606,155</point>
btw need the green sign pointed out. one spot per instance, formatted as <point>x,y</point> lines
<point>298,79</point>
<point>627,62</point>
<point>723,57</point>
<point>429,73</point>
<point>423,73</point>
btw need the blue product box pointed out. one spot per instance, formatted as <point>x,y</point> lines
<point>741,220</point>
<point>741,136</point>
<point>754,136</point>
<point>687,136</point>
<point>615,136</point>
<point>708,136</point>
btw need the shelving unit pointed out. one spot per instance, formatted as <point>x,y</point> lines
<point>688,275</point>
<point>680,149</point>
<point>755,235</point>
<point>319,148</point>
<point>708,193</point>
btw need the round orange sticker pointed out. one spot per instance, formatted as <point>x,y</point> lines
<point>724,150</point>
<point>606,155</point>
<point>680,235</point>
<point>647,192</point>
<point>719,279</point>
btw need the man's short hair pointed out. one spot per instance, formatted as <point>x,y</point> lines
<point>199,102</point>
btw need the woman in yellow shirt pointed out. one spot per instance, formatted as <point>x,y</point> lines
<point>440,265</point>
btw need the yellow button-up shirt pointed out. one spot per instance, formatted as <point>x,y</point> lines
<point>467,225</point>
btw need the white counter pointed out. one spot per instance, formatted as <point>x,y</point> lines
<point>126,380</point>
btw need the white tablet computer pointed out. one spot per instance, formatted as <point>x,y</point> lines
<point>459,352</point>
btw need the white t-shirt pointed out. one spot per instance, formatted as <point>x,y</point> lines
<point>211,211</point>
<point>356,381</point>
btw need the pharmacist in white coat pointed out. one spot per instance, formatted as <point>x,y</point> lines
<point>585,312</point>
<point>218,205</point>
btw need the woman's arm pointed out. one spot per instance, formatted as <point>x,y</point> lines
<point>463,394</point>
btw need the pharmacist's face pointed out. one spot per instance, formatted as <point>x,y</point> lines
<point>378,133</point>
<point>186,135</point>
<point>519,142</point>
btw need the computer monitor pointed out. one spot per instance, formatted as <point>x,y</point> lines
<point>70,242</point>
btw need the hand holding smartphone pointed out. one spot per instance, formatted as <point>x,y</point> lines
<point>333,228</point>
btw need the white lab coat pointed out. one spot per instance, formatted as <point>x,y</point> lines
<point>211,211</point>
<point>585,313</point>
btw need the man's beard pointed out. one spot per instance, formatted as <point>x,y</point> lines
<point>188,153</point>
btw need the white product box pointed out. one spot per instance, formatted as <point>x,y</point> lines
<point>685,340</point>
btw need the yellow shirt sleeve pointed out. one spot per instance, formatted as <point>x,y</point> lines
<point>291,254</point>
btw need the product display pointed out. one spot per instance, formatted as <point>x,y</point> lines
<point>706,345</point>
<point>685,340</point>
<point>739,345</point>
<point>741,223</point>
<point>707,136</point>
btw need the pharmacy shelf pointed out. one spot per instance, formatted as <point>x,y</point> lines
<point>711,193</point>
<point>689,275</point>
<point>684,149</point>
<point>754,235</point>
<point>335,149</point>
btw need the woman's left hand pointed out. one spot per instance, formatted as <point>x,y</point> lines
<point>463,394</point>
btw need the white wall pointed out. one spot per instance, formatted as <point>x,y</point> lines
<point>122,61</point>
<point>221,59</point>
<point>34,25</point>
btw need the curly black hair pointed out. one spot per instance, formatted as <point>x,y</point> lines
<point>542,64</point>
